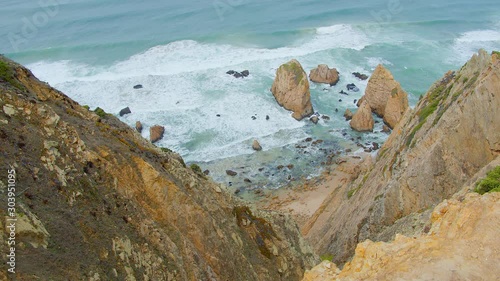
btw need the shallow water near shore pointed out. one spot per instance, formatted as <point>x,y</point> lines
<point>96,51</point>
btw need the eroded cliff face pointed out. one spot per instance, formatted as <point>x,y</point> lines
<point>462,244</point>
<point>98,202</point>
<point>453,132</point>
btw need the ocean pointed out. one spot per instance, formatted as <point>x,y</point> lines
<point>96,51</point>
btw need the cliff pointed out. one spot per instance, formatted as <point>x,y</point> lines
<point>462,244</point>
<point>96,201</point>
<point>436,149</point>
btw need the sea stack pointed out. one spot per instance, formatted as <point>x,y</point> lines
<point>324,74</point>
<point>362,120</point>
<point>384,93</point>
<point>291,89</point>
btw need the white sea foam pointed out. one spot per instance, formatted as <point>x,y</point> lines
<point>188,56</point>
<point>470,42</point>
<point>185,87</point>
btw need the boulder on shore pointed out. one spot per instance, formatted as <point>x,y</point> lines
<point>362,120</point>
<point>291,89</point>
<point>156,133</point>
<point>256,145</point>
<point>231,173</point>
<point>324,74</point>
<point>138,126</point>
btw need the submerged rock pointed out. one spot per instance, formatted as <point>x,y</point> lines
<point>125,111</point>
<point>291,89</point>
<point>352,87</point>
<point>138,86</point>
<point>360,76</point>
<point>237,74</point>
<point>314,119</point>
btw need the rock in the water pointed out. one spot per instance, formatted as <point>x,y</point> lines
<point>237,74</point>
<point>138,86</point>
<point>360,76</point>
<point>379,89</point>
<point>396,106</point>
<point>386,129</point>
<point>343,93</point>
<point>247,180</point>
<point>325,117</point>
<point>347,115</point>
<point>124,111</point>
<point>138,126</point>
<point>231,173</point>
<point>156,133</point>
<point>324,74</point>
<point>256,145</point>
<point>206,172</point>
<point>375,146</point>
<point>362,120</point>
<point>352,87</point>
<point>291,89</point>
<point>314,119</point>
<point>267,117</point>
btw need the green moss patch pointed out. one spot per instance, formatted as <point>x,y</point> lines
<point>433,100</point>
<point>296,69</point>
<point>7,75</point>
<point>100,112</point>
<point>491,183</point>
<point>327,257</point>
<point>195,168</point>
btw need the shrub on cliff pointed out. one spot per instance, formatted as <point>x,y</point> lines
<point>195,168</point>
<point>491,183</point>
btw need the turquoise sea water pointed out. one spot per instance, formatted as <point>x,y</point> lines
<point>96,51</point>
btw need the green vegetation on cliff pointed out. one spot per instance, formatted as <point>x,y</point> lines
<point>491,183</point>
<point>7,75</point>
